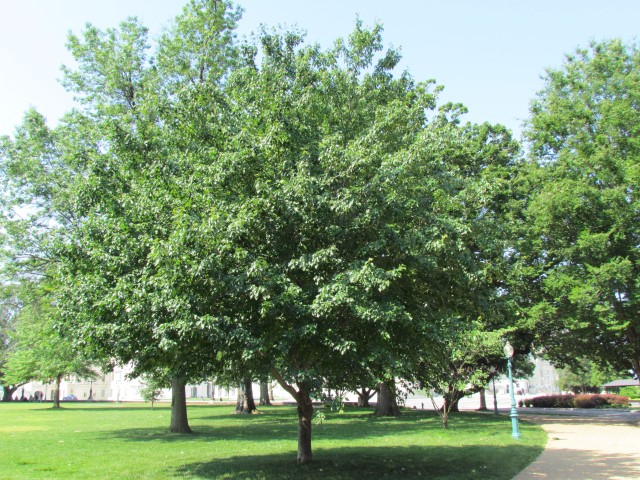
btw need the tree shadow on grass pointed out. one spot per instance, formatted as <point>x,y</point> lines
<point>442,462</point>
<point>70,408</point>
<point>278,426</point>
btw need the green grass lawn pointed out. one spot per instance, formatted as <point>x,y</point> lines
<point>130,441</point>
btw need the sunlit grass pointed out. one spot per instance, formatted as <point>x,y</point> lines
<point>120,441</point>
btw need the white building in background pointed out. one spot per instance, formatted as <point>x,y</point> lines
<point>118,387</point>
<point>113,386</point>
<point>544,379</point>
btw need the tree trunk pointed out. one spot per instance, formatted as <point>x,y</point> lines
<point>305,417</point>
<point>445,418</point>
<point>387,405</point>
<point>633,336</point>
<point>251,402</point>
<point>364,395</point>
<point>442,411</point>
<point>179,420</point>
<point>264,392</point>
<point>483,401</point>
<point>56,392</point>
<point>451,400</point>
<point>240,400</point>
<point>8,391</point>
<point>635,363</point>
<point>245,402</point>
<point>271,397</point>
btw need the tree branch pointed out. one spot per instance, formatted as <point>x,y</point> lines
<point>285,385</point>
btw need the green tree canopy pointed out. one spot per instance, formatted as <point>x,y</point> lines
<point>96,201</point>
<point>237,208</point>
<point>579,253</point>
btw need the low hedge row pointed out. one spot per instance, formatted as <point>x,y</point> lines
<point>577,401</point>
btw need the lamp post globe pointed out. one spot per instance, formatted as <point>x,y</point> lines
<point>515,430</point>
<point>508,350</point>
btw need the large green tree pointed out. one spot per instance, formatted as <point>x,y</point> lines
<point>96,201</point>
<point>129,276</point>
<point>346,214</point>
<point>579,252</point>
<point>309,223</point>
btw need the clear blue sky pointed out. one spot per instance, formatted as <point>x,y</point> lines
<point>488,54</point>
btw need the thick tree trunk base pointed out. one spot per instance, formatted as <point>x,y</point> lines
<point>245,404</point>
<point>56,395</point>
<point>179,420</point>
<point>387,405</point>
<point>483,402</point>
<point>264,393</point>
<point>635,364</point>
<point>7,395</point>
<point>451,406</point>
<point>305,417</point>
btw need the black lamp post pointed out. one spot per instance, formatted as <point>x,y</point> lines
<point>509,351</point>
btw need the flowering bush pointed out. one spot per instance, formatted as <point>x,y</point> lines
<point>578,401</point>
<point>589,401</point>
<point>616,400</point>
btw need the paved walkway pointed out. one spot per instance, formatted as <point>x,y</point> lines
<point>586,444</point>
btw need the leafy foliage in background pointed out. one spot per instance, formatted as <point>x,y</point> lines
<point>586,377</point>
<point>580,257</point>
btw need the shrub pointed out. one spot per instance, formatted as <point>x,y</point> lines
<point>589,401</point>
<point>631,392</point>
<point>576,401</point>
<point>600,401</point>
<point>616,400</point>
<point>553,401</point>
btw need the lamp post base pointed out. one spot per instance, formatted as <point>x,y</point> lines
<point>514,412</point>
<point>514,424</point>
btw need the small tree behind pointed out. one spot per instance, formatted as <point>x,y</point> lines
<point>40,352</point>
<point>151,389</point>
<point>584,377</point>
